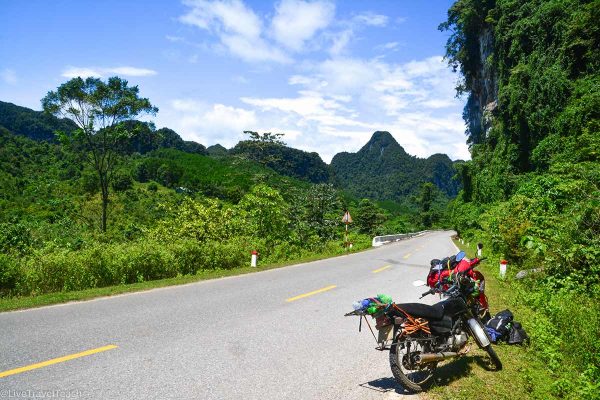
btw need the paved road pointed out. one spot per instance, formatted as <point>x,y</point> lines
<point>231,338</point>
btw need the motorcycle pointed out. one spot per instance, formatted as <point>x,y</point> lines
<point>441,275</point>
<point>419,336</point>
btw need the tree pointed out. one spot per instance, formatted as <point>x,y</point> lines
<point>266,213</point>
<point>266,137</point>
<point>261,148</point>
<point>99,109</point>
<point>425,200</point>
<point>369,217</point>
<point>322,210</point>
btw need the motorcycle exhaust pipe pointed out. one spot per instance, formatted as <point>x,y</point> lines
<point>432,357</point>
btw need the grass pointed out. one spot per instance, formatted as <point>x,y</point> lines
<point>16,303</point>
<point>524,376</point>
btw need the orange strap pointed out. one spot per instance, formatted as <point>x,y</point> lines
<point>413,324</point>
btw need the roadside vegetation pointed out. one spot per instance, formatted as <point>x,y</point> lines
<point>550,366</point>
<point>96,210</point>
<point>531,193</point>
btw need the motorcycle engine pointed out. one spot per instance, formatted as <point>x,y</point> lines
<point>457,341</point>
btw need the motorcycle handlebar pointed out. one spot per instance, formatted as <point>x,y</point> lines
<point>475,264</point>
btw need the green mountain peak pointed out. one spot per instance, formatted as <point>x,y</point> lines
<point>381,143</point>
<point>382,170</point>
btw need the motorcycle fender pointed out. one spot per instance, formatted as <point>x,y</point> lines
<point>385,334</point>
<point>478,333</point>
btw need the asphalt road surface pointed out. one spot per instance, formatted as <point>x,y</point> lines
<point>278,334</point>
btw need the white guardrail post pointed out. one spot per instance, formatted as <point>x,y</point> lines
<point>381,240</point>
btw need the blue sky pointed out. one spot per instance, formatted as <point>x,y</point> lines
<point>327,74</point>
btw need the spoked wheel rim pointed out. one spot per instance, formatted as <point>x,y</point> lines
<point>417,375</point>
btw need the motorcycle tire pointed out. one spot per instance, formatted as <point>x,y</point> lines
<point>493,357</point>
<point>402,378</point>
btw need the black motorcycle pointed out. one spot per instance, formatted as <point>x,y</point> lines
<point>420,336</point>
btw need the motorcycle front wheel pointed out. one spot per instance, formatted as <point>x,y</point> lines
<point>415,379</point>
<point>493,357</point>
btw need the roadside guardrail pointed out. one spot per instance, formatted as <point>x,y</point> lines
<point>381,240</point>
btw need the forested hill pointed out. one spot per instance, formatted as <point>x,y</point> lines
<point>40,126</point>
<point>531,193</point>
<point>285,160</point>
<point>382,170</point>
<point>35,125</point>
<point>532,74</point>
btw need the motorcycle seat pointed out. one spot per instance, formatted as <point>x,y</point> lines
<point>434,313</point>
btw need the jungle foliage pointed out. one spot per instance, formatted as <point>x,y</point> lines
<point>172,211</point>
<point>532,189</point>
<point>270,150</point>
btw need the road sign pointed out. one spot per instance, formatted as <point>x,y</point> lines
<point>347,219</point>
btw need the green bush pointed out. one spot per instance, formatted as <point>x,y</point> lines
<point>10,275</point>
<point>187,255</point>
<point>223,255</point>
<point>14,237</point>
<point>101,264</point>
<point>57,271</point>
<point>144,261</point>
<point>121,182</point>
<point>565,334</point>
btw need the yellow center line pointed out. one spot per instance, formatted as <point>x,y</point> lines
<point>406,256</point>
<point>311,293</point>
<point>56,360</point>
<point>381,269</point>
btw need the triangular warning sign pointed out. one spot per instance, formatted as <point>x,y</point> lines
<point>347,219</point>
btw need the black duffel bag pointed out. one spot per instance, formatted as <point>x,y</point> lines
<point>499,326</point>
<point>517,334</point>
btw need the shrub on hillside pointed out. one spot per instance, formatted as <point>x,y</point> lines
<point>10,275</point>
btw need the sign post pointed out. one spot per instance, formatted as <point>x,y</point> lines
<point>346,219</point>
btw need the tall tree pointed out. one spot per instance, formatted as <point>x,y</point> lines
<point>260,147</point>
<point>323,209</point>
<point>99,109</point>
<point>369,217</point>
<point>425,201</point>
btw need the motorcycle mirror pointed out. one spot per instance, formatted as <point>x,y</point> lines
<point>418,283</point>
<point>460,255</point>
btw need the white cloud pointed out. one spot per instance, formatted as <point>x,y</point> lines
<point>174,39</point>
<point>100,72</point>
<point>227,15</point>
<point>74,72</point>
<point>9,76</point>
<point>348,75</point>
<point>240,79</point>
<point>238,28</point>
<point>349,29</point>
<point>340,42</point>
<point>351,98</point>
<point>338,105</point>
<point>371,19</point>
<point>295,26</point>
<point>310,107</point>
<point>390,46</point>
<point>207,124</point>
<point>297,21</point>
<point>130,71</point>
<point>253,50</point>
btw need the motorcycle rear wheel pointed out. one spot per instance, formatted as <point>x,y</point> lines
<point>414,380</point>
